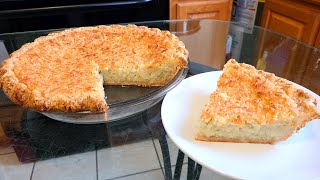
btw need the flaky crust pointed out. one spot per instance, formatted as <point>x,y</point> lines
<point>60,72</point>
<point>234,140</point>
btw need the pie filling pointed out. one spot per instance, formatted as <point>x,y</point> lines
<point>141,76</point>
<point>248,132</point>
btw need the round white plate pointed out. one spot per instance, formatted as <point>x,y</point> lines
<point>296,158</point>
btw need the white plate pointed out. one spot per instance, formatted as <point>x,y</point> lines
<point>296,158</point>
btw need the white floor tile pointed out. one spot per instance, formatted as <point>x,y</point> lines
<point>173,151</point>
<point>154,175</point>
<point>126,159</point>
<point>74,167</point>
<point>12,169</point>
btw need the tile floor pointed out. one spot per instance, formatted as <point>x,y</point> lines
<point>117,163</point>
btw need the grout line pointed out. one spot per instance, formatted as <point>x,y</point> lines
<point>159,161</point>
<point>134,174</point>
<point>97,164</point>
<point>31,175</point>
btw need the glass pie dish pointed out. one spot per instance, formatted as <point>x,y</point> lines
<point>123,101</point>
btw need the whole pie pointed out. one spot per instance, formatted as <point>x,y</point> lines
<point>65,71</point>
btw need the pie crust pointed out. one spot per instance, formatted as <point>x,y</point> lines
<point>65,71</point>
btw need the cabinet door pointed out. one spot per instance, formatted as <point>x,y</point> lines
<point>215,9</point>
<point>292,19</point>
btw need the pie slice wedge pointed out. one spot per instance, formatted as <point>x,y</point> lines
<point>254,106</point>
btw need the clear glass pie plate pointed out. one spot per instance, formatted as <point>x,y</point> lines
<point>123,101</point>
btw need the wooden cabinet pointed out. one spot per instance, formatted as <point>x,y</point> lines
<point>8,115</point>
<point>298,19</point>
<point>213,54</point>
<point>201,9</point>
<point>317,43</point>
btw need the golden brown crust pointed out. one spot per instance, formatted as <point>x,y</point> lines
<point>60,72</point>
<point>234,140</point>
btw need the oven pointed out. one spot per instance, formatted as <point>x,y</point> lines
<point>29,15</point>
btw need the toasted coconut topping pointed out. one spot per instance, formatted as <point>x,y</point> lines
<point>246,95</point>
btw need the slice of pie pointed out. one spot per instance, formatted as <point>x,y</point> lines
<point>65,71</point>
<point>254,106</point>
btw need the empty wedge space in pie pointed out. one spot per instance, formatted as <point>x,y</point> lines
<point>254,106</point>
<point>65,71</point>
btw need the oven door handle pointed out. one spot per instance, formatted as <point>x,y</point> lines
<point>73,7</point>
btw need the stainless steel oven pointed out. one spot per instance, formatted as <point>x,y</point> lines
<point>28,15</point>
